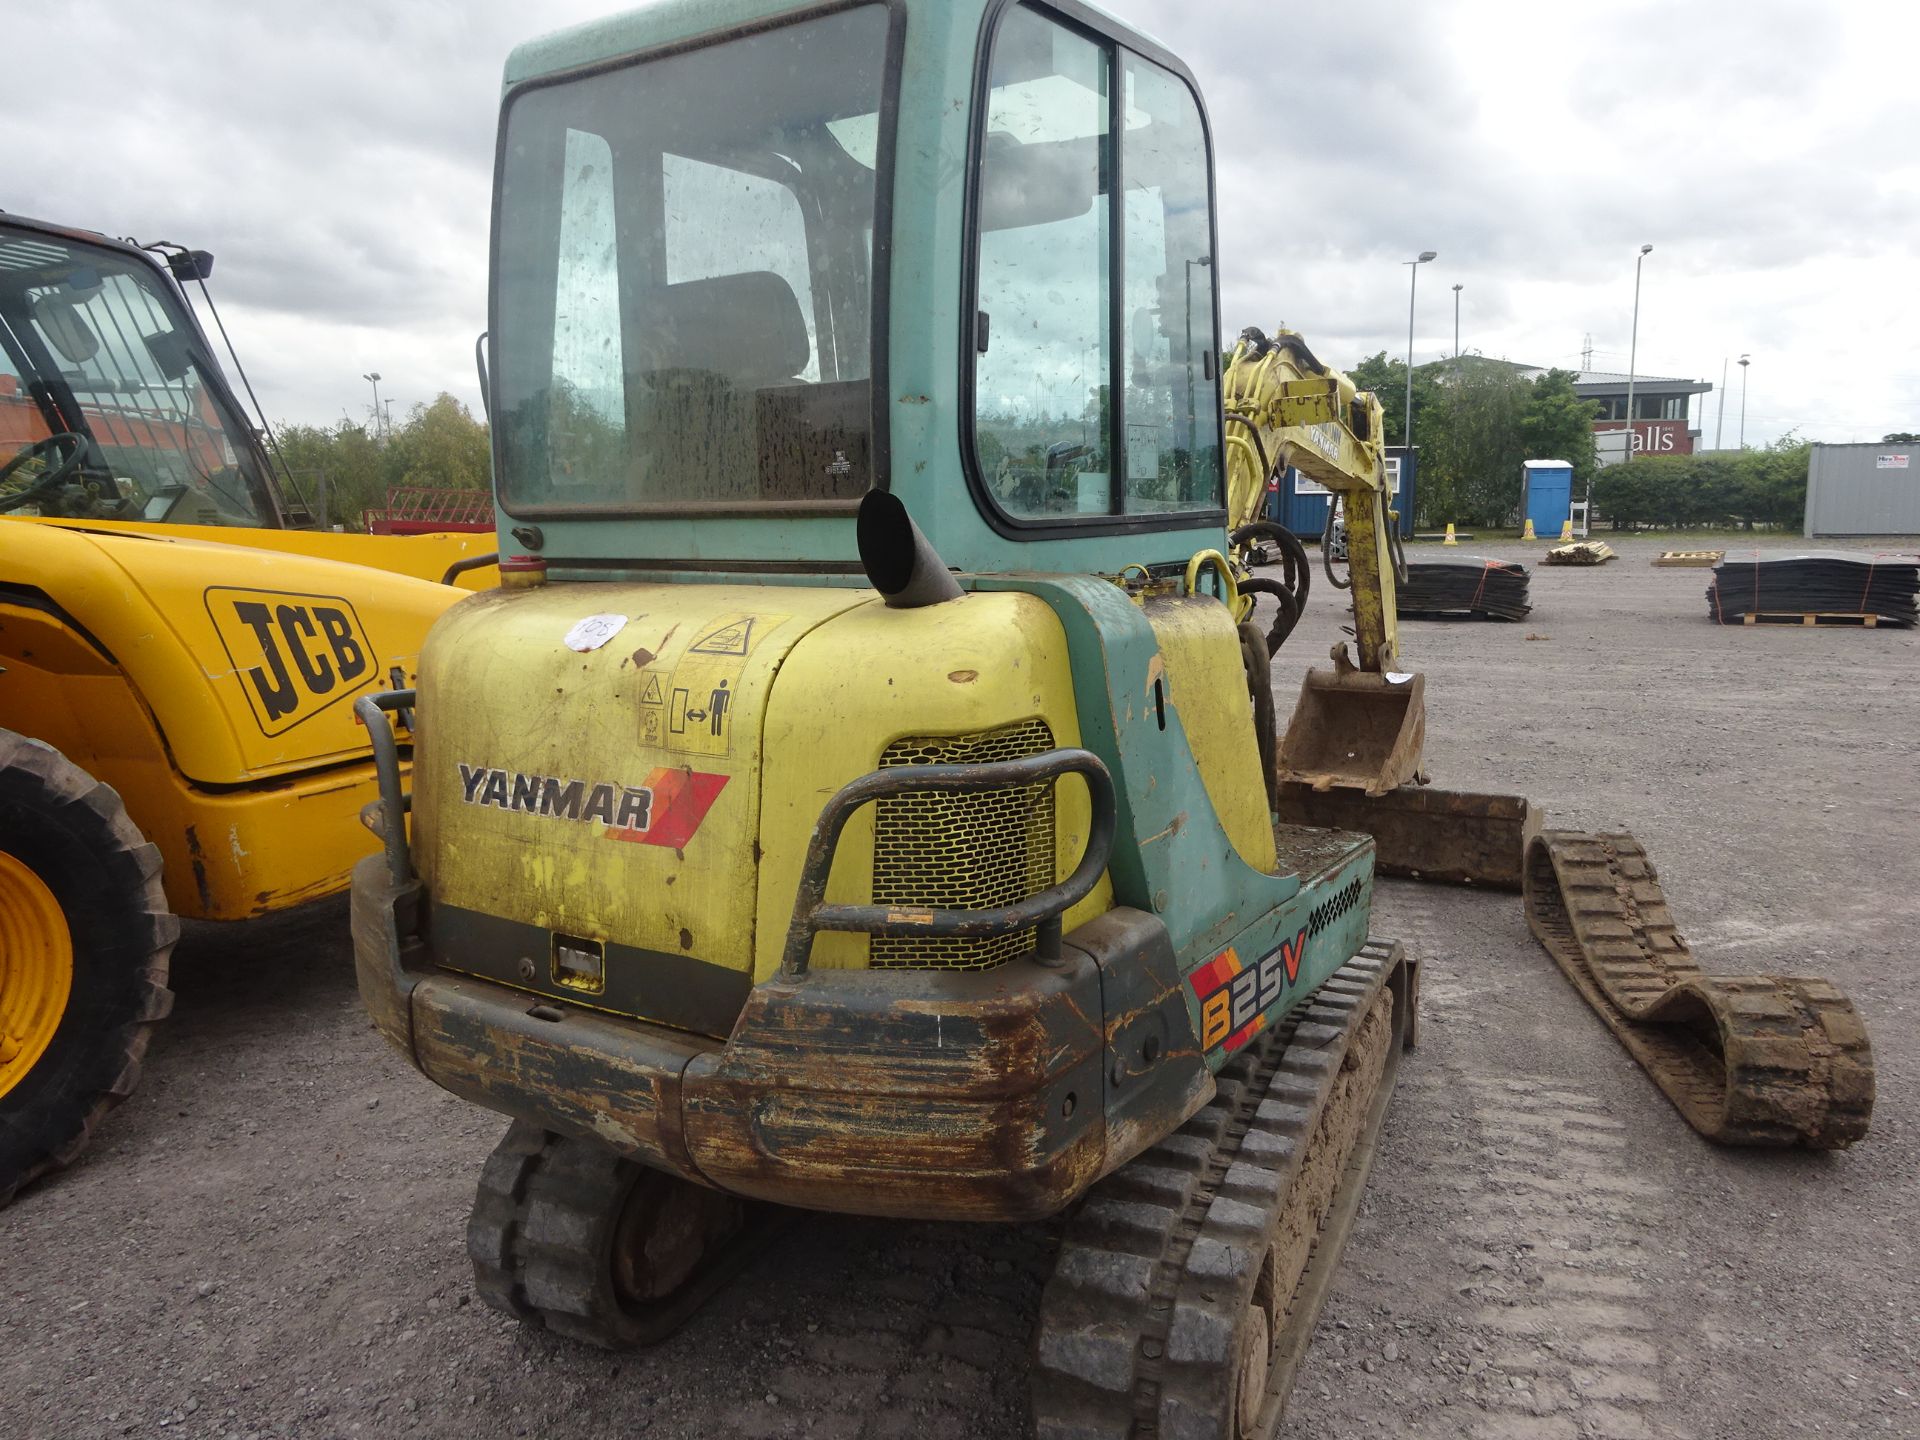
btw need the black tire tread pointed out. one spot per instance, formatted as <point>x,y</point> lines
<point>45,1137</point>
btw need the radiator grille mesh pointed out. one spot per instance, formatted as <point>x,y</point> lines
<point>961,851</point>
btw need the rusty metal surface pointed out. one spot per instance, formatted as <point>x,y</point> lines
<point>1188,1285</point>
<point>982,1095</point>
<point>615,1081</point>
<point>1451,837</point>
<point>930,1094</point>
<point>1354,729</point>
<point>1746,1059</point>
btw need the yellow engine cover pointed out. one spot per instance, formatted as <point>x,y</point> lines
<point>640,768</point>
<point>588,758</point>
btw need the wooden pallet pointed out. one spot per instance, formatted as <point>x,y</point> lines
<point>1691,557</point>
<point>1811,617</point>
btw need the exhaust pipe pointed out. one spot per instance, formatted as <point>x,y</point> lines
<point>898,559</point>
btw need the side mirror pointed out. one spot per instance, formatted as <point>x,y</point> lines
<point>59,319</point>
<point>191,265</point>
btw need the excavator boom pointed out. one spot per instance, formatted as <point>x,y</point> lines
<point>1361,726</point>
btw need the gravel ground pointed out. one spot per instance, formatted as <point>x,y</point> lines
<point>267,1240</point>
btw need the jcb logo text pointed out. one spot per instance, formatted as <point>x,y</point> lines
<point>295,654</point>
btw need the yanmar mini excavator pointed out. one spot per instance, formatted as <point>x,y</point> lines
<point>860,794</point>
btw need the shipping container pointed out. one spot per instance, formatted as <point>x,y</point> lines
<point>1863,490</point>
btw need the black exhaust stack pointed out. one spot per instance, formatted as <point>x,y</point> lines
<point>897,558</point>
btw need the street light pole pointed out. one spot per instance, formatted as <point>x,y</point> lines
<point>1743,401</point>
<point>1456,320</point>
<point>373,378</point>
<point>1633,344</point>
<point>1720,425</point>
<point>1413,271</point>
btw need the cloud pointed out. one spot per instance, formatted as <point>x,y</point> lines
<point>337,160</point>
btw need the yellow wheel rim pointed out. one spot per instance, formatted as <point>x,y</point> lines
<point>36,969</point>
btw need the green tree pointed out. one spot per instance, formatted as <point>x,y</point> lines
<point>1750,489</point>
<point>1900,437</point>
<point>440,446</point>
<point>1470,443</point>
<point>1387,379</point>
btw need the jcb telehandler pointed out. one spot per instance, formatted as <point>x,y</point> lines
<point>861,793</point>
<point>177,670</point>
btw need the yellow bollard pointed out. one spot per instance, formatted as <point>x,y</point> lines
<point>1566,531</point>
<point>1528,533</point>
<point>1449,540</point>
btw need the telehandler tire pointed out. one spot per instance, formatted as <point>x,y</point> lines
<point>85,938</point>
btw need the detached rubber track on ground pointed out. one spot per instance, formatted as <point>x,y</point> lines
<point>1187,1285</point>
<point>1747,1059</point>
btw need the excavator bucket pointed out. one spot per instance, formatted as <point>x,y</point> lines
<point>1355,730</point>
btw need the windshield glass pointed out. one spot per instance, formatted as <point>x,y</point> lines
<point>683,278</point>
<point>95,344</point>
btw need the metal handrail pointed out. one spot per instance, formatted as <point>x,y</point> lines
<point>811,913</point>
<point>387,816</point>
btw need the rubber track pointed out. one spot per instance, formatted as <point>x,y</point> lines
<point>1747,1059</point>
<point>1139,1324</point>
<point>537,1236</point>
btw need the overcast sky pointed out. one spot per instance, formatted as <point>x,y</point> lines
<point>336,159</point>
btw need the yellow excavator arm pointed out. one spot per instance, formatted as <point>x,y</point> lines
<point>1284,408</point>
<point>1361,726</point>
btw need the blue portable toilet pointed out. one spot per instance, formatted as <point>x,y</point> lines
<point>1546,495</point>
<point>1300,505</point>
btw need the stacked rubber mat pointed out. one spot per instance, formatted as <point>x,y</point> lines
<point>1467,586</point>
<point>1815,583</point>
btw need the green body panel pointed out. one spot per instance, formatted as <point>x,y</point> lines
<point>1171,857</point>
<point>924,352</point>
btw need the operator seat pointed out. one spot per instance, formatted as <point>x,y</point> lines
<point>716,344</point>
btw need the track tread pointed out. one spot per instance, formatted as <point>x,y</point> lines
<point>1159,1360</point>
<point>1765,1060</point>
<point>543,1229</point>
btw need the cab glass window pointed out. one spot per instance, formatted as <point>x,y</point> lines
<point>1071,422</point>
<point>683,281</point>
<point>1044,333</point>
<point>95,345</point>
<point>1172,385</point>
